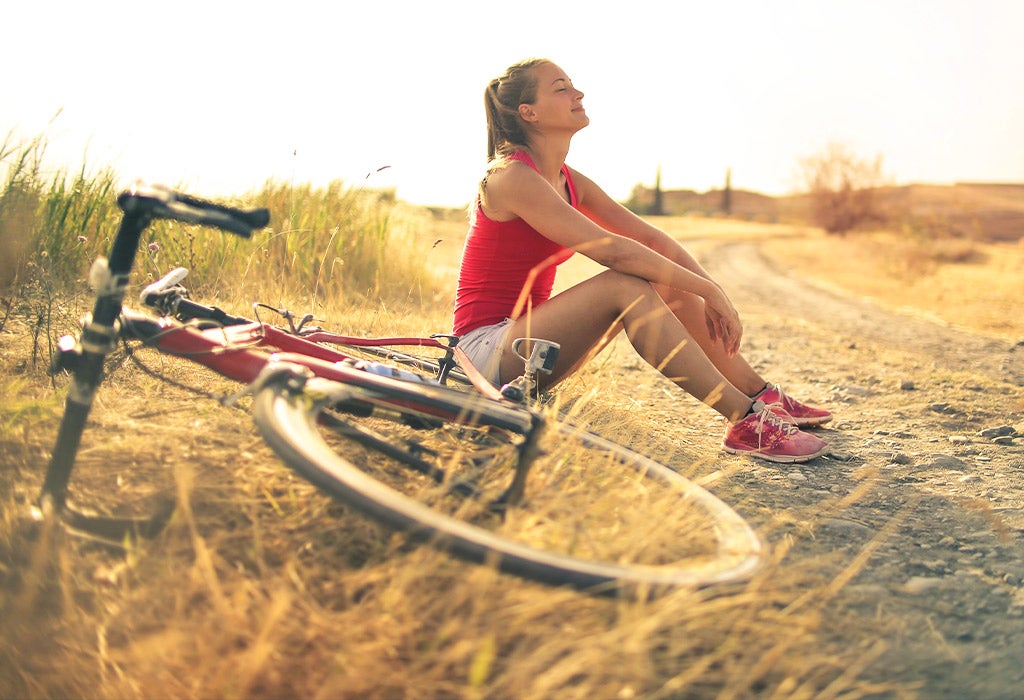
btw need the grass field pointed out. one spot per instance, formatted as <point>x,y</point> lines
<point>262,588</point>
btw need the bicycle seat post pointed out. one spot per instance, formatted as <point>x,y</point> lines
<point>446,363</point>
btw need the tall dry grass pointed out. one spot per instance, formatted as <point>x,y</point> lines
<point>326,249</point>
<point>262,588</point>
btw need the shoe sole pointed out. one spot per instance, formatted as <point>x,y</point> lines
<point>780,459</point>
<point>810,422</point>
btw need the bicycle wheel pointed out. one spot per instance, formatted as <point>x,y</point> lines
<point>593,514</point>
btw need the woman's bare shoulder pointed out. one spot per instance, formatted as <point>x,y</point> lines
<point>504,188</point>
<point>506,170</point>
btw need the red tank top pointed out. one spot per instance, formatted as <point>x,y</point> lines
<point>497,261</point>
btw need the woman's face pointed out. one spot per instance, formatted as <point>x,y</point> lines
<point>558,104</point>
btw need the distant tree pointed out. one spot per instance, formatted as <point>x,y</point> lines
<point>727,193</point>
<point>658,207</point>
<point>637,202</point>
<point>842,188</point>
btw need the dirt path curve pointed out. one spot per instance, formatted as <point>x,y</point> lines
<point>942,508</point>
<point>754,281</point>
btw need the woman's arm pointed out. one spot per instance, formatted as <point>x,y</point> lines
<point>605,211</point>
<point>519,191</point>
<point>597,205</point>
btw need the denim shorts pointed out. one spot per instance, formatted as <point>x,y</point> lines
<point>483,346</point>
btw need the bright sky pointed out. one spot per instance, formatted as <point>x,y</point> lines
<point>220,96</point>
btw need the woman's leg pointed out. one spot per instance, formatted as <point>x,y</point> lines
<point>584,318</point>
<point>689,309</point>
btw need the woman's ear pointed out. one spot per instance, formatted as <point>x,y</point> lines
<point>527,113</point>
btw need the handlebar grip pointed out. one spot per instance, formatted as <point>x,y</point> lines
<point>164,203</point>
<point>252,218</point>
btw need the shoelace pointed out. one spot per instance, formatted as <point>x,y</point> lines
<point>782,398</point>
<point>781,393</point>
<point>783,421</point>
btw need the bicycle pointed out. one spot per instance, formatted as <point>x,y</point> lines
<point>486,475</point>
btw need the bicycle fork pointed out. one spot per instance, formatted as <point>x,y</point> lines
<point>85,358</point>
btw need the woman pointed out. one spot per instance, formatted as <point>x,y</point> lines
<point>533,212</point>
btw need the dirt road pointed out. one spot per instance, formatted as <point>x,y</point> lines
<point>930,424</point>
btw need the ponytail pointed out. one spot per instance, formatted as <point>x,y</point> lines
<point>506,131</point>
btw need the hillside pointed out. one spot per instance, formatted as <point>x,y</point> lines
<point>982,211</point>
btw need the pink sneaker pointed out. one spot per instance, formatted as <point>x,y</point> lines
<point>770,434</point>
<point>803,415</point>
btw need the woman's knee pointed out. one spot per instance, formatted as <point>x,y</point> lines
<point>625,287</point>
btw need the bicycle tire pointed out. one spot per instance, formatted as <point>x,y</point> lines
<point>288,416</point>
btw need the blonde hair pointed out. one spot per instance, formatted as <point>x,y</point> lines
<point>506,131</point>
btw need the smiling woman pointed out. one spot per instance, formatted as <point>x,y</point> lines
<point>533,212</point>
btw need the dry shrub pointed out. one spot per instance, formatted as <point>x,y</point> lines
<point>842,188</point>
<point>914,257</point>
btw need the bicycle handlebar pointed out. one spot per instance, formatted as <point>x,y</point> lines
<point>170,298</point>
<point>164,203</point>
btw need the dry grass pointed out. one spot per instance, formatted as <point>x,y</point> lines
<point>262,588</point>
<point>965,283</point>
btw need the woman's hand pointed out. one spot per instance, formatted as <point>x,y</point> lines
<point>723,321</point>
